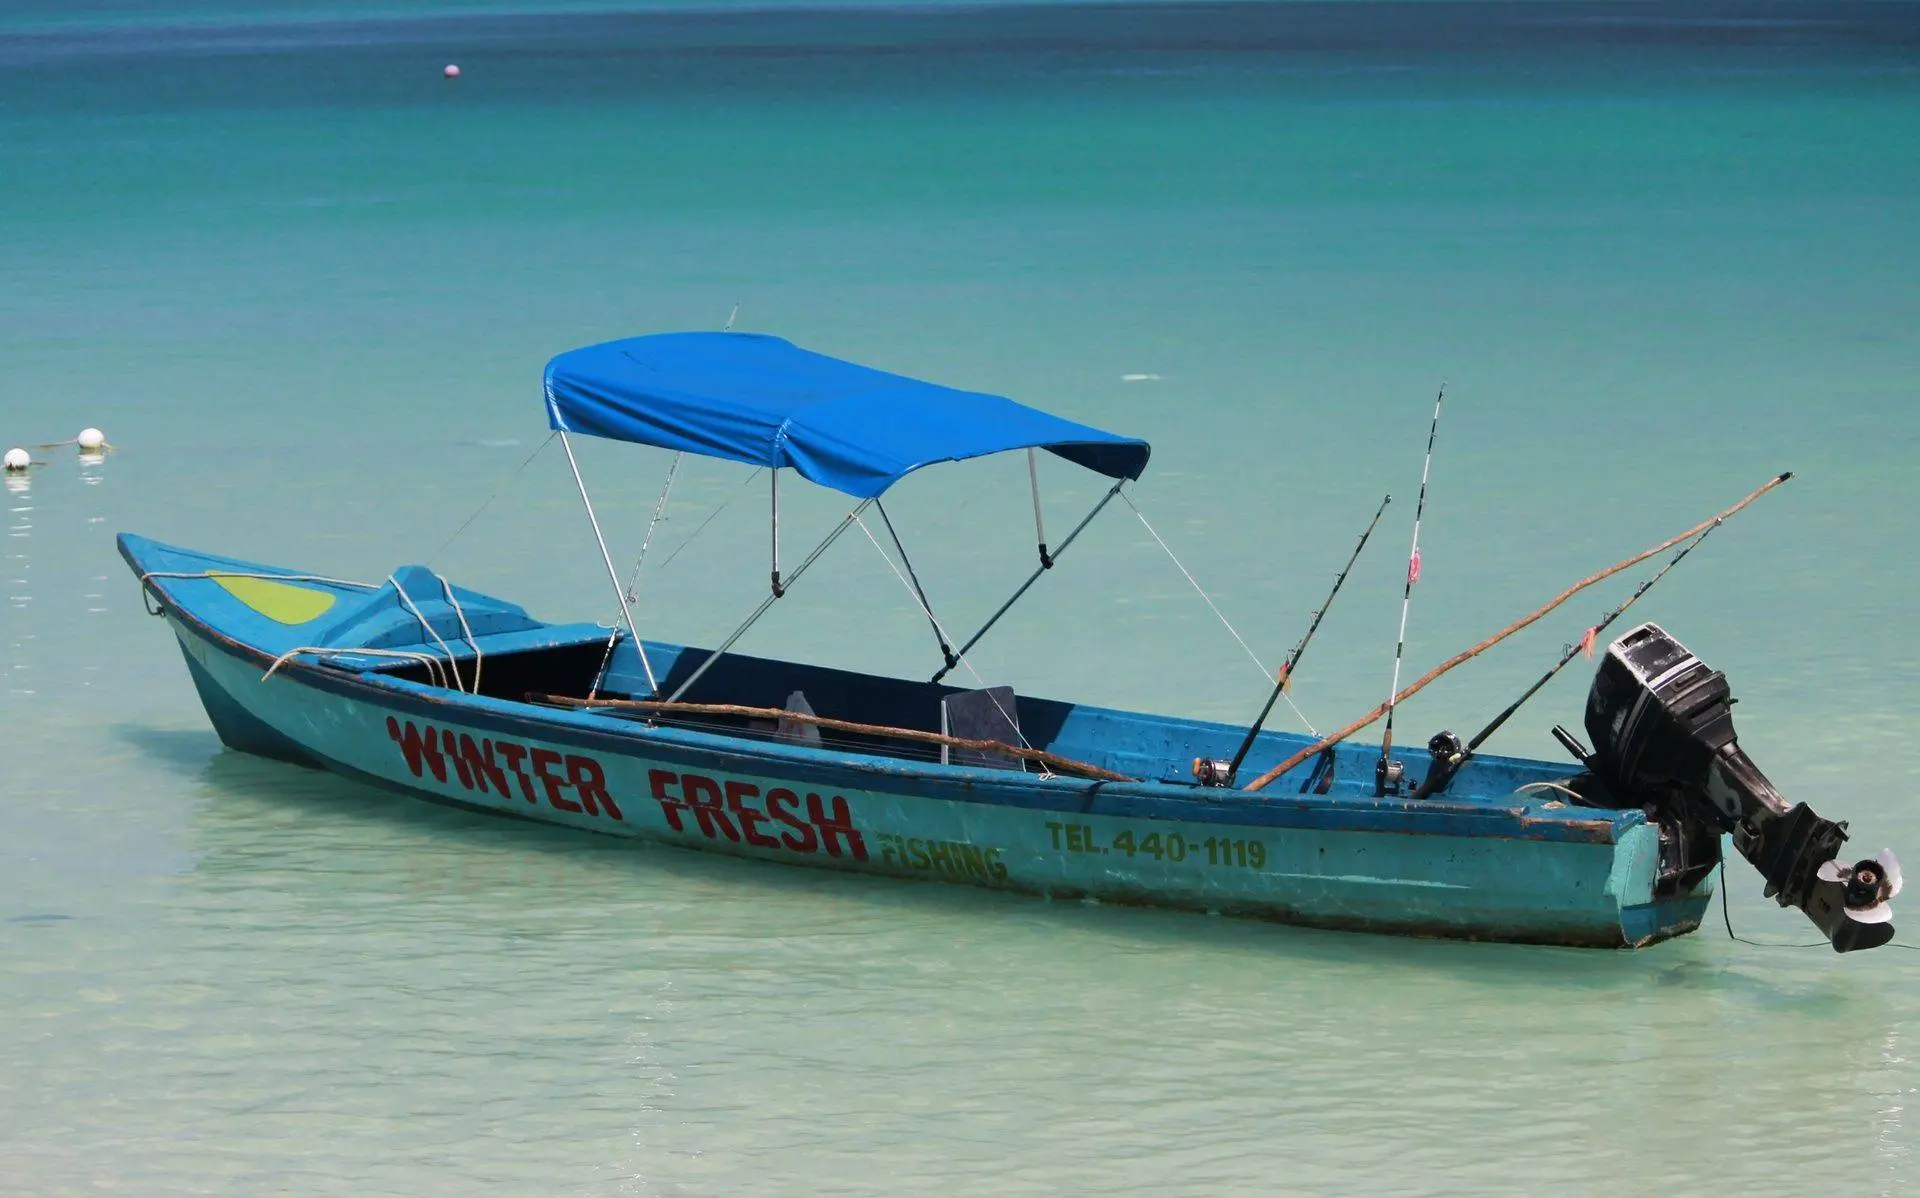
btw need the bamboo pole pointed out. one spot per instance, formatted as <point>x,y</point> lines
<point>1421,683</point>
<point>1051,760</point>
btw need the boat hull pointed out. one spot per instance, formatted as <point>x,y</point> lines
<point>1071,842</point>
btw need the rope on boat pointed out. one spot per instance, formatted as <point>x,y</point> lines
<point>1054,760</point>
<point>435,672</point>
<point>433,663</point>
<point>497,492</point>
<point>1035,576</point>
<point>754,618</point>
<point>147,592</point>
<point>633,581</point>
<point>920,597</point>
<point>1421,683</point>
<point>466,630</point>
<point>212,574</point>
<point>452,660</point>
<point>1562,787</point>
<point>1266,675</point>
<point>1284,678</point>
<point>919,591</point>
<point>613,575</point>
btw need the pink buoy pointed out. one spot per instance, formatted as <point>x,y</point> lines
<point>452,71</point>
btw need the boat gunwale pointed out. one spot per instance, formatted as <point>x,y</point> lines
<point>1144,799</point>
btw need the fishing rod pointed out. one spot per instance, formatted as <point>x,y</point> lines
<point>1427,679</point>
<point>1447,763</point>
<point>1207,771</point>
<point>1387,773</point>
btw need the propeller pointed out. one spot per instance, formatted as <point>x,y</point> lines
<point>1869,883</point>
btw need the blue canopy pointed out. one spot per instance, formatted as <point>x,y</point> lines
<point>767,402</point>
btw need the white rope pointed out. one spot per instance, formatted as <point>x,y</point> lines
<point>1563,789</point>
<point>453,601</point>
<point>452,660</point>
<point>218,574</point>
<point>919,603</point>
<point>466,630</point>
<point>613,575</point>
<point>434,672</point>
<point>1266,675</point>
<point>497,491</point>
<point>713,658</point>
<point>633,582</point>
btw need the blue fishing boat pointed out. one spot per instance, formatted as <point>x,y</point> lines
<point>425,687</point>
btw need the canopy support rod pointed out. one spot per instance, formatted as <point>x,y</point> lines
<point>847,522</point>
<point>939,634</point>
<point>1035,577</point>
<point>1039,528</point>
<point>613,575</point>
<point>773,474</point>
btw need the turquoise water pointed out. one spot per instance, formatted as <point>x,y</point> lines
<point>307,287</point>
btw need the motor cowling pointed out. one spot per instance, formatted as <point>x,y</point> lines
<point>1661,722</point>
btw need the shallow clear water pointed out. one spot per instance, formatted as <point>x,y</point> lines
<point>307,288</point>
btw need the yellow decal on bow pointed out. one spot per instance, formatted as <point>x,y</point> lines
<point>279,601</point>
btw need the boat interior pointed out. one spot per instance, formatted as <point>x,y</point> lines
<point>576,663</point>
<point>422,629</point>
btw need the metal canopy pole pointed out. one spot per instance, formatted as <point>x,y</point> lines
<point>851,518</point>
<point>773,475</point>
<point>939,634</point>
<point>613,575</point>
<point>1034,577</point>
<point>1039,528</point>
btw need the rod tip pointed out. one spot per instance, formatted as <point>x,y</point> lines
<point>1785,475</point>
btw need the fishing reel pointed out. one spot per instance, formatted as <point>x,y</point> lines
<point>1213,772</point>
<point>1448,754</point>
<point>1389,776</point>
<point>1661,721</point>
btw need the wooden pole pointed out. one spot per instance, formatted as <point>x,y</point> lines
<point>1051,760</point>
<point>1420,684</point>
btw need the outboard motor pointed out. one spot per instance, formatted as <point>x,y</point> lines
<point>1662,727</point>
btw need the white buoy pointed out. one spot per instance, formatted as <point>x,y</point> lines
<point>90,440</point>
<point>452,71</point>
<point>17,459</point>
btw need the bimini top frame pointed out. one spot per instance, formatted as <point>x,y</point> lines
<point>766,402</point>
